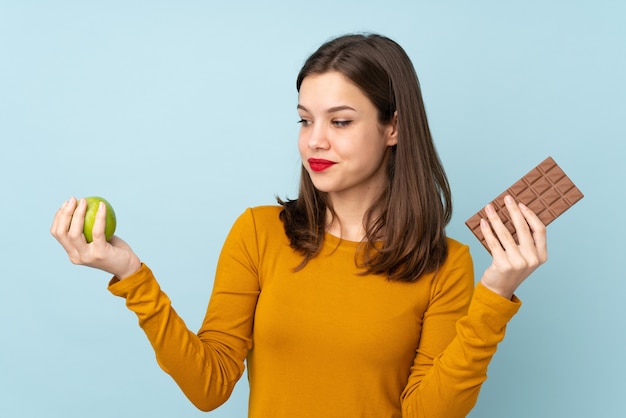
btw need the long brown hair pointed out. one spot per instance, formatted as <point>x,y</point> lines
<point>405,227</point>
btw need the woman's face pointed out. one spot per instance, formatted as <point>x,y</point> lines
<point>342,145</point>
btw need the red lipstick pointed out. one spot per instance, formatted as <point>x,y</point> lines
<point>318,165</point>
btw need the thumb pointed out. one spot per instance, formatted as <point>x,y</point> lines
<point>119,243</point>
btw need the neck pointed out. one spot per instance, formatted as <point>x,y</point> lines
<point>348,222</point>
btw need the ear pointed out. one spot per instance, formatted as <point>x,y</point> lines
<point>391,130</point>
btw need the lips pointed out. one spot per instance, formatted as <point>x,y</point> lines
<point>318,165</point>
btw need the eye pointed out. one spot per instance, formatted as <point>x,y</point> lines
<point>342,123</point>
<point>304,122</point>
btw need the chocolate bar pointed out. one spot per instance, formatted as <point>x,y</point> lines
<point>545,189</point>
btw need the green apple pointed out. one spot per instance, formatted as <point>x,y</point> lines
<point>90,217</point>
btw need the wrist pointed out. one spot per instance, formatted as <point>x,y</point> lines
<point>133,266</point>
<point>505,293</point>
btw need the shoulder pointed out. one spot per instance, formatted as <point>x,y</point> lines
<point>255,230</point>
<point>262,217</point>
<point>266,213</point>
<point>259,220</point>
<point>456,248</point>
<point>458,264</point>
<point>452,284</point>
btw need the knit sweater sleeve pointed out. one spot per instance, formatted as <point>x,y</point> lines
<point>461,330</point>
<point>205,365</point>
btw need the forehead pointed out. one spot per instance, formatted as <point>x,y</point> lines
<point>330,89</point>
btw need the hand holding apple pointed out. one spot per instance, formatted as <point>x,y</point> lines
<point>105,252</point>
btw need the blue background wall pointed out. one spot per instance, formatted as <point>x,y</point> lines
<point>183,114</point>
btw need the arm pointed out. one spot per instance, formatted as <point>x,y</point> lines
<point>205,366</point>
<point>452,360</point>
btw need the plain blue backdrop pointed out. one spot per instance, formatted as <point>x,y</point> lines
<point>183,114</point>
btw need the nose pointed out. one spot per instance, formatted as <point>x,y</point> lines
<point>318,137</point>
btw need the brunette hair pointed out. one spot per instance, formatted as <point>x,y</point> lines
<point>405,226</point>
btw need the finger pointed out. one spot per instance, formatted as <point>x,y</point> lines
<point>62,219</point>
<point>501,232</point>
<point>522,229</point>
<point>98,226</point>
<point>492,241</point>
<point>78,220</point>
<point>538,229</point>
<point>55,221</point>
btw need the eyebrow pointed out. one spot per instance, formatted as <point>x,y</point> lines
<point>332,109</point>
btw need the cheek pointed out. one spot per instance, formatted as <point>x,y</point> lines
<point>373,155</point>
<point>301,145</point>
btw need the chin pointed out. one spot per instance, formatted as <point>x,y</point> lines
<point>323,187</point>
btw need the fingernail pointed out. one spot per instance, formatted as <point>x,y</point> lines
<point>489,209</point>
<point>508,199</point>
<point>522,206</point>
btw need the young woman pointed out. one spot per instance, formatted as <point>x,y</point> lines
<point>349,301</point>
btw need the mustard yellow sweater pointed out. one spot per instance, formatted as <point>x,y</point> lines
<point>325,341</point>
